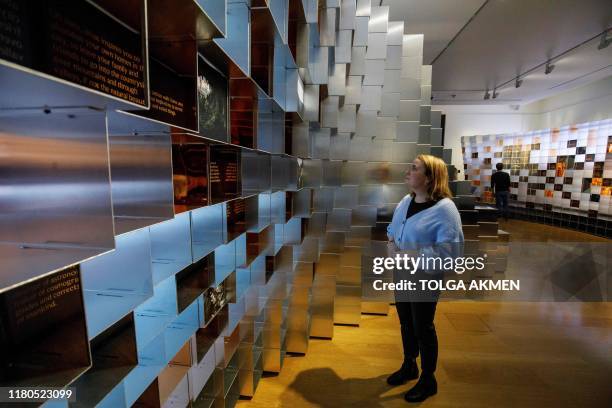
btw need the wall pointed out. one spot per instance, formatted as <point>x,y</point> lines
<point>584,104</point>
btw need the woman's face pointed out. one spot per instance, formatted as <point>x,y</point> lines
<point>415,176</point>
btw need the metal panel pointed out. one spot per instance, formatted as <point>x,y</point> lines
<point>323,199</point>
<point>411,68</point>
<point>339,149</point>
<point>377,46</point>
<point>371,98</point>
<point>360,39</point>
<point>385,127</point>
<point>374,72</point>
<point>332,242</point>
<point>348,8</point>
<point>170,246</point>
<point>363,215</point>
<point>346,197</point>
<point>353,172</point>
<point>410,110</point>
<point>337,80</point>
<point>424,134</point>
<point>347,118</point>
<point>357,66</point>
<point>353,90</point>
<point>311,103</point>
<point>318,64</point>
<point>320,143</point>
<point>397,172</point>
<point>343,46</point>
<point>310,175</point>
<point>392,81</point>
<point>237,35</point>
<point>425,114</point>
<point>327,27</point>
<point>379,18</point>
<point>364,7</point>
<point>412,45</point>
<point>407,131</point>
<point>435,136</point>
<point>329,112</point>
<point>394,57</point>
<point>436,119</point>
<point>56,191</point>
<point>390,106</point>
<point>359,147</point>
<point>366,123</point>
<point>347,307</point>
<point>339,220</point>
<point>404,152</point>
<point>411,88</point>
<point>395,33</point>
<point>301,140</point>
<point>331,172</point>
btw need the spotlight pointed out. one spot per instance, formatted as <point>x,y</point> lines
<point>495,94</point>
<point>549,68</point>
<point>487,95</point>
<point>518,83</point>
<point>605,41</point>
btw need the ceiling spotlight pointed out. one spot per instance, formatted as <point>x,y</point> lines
<point>487,95</point>
<point>518,83</point>
<point>495,94</point>
<point>549,68</point>
<point>605,41</point>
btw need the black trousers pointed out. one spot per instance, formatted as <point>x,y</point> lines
<point>419,333</point>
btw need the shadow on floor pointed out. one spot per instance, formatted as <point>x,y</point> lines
<point>339,392</point>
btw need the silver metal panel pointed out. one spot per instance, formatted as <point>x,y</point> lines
<point>392,81</point>
<point>412,45</point>
<point>302,44</point>
<point>353,173</point>
<point>323,200</point>
<point>371,195</point>
<point>311,103</point>
<point>448,156</point>
<point>308,251</point>
<point>170,246</point>
<point>353,90</point>
<point>404,152</point>
<point>322,306</point>
<point>55,189</point>
<point>371,98</point>
<point>374,72</point>
<point>411,89</point>
<point>141,174</point>
<point>437,151</point>
<point>348,9</point>
<point>360,38</point>
<point>337,80</point>
<point>426,114</point>
<point>346,197</point>
<point>301,140</point>
<point>347,118</point>
<point>422,149</point>
<point>318,65</point>
<point>329,263</point>
<point>377,46</point>
<point>424,134</point>
<point>302,203</point>
<point>347,307</point>
<point>316,222</point>
<point>327,27</point>
<point>385,126</point>
<point>410,110</point>
<point>359,148</point>
<point>411,68</point>
<point>407,131</point>
<point>311,173</point>
<point>426,75</point>
<point>320,143</point>
<point>378,172</point>
<point>358,236</point>
<point>390,106</point>
<point>343,46</point>
<point>363,215</point>
<point>339,220</point>
<point>426,94</point>
<point>435,136</point>
<point>357,66</point>
<point>366,123</point>
<point>394,57</point>
<point>436,119</point>
<point>364,7</point>
<point>332,173</point>
<point>395,33</point>
<point>237,34</point>
<point>379,18</point>
<point>329,112</point>
<point>339,146</point>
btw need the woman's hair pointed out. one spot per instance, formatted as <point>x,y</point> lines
<point>436,171</point>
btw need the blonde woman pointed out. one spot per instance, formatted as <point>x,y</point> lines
<point>426,220</point>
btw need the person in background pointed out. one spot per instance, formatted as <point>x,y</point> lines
<point>427,219</point>
<point>500,185</point>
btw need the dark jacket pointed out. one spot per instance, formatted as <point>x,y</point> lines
<point>500,181</point>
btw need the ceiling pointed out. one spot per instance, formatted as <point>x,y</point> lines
<point>477,45</point>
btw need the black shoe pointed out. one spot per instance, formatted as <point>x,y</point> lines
<point>408,371</point>
<point>424,388</point>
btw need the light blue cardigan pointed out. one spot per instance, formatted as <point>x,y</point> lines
<point>427,229</point>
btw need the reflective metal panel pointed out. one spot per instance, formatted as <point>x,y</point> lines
<point>353,172</point>
<point>411,88</point>
<point>379,18</point>
<point>353,90</point>
<point>366,123</point>
<point>343,46</point>
<point>360,38</point>
<point>412,45</point>
<point>339,146</point>
<point>170,246</point>
<point>311,103</point>
<point>435,136</point>
<point>318,64</point>
<point>357,66</point>
<point>339,219</point>
<point>377,46</point>
<point>407,131</point>
<point>320,142</point>
<point>363,215</point>
<point>385,126</point>
<point>337,80</point>
<point>331,173</point>
<point>374,72</point>
<point>327,27</point>
<point>55,191</point>
<point>394,57</point>
<point>347,118</point>
<point>410,110</point>
<point>424,134</point>
<point>237,35</point>
<point>436,119</point>
<point>364,7</point>
<point>329,112</point>
<point>371,97</point>
<point>348,9</point>
<point>392,81</point>
<point>206,229</point>
<point>346,197</point>
<point>301,140</point>
<point>390,106</point>
<point>311,173</point>
<point>404,152</point>
<point>426,114</point>
<point>395,33</point>
<point>397,172</point>
<point>359,148</point>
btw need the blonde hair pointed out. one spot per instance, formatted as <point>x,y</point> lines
<point>436,171</point>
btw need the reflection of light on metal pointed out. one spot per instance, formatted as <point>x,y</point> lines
<point>381,18</point>
<point>204,87</point>
<point>395,28</point>
<point>300,90</point>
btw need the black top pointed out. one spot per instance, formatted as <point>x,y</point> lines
<point>500,181</point>
<point>415,207</point>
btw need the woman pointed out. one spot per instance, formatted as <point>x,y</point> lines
<point>426,220</point>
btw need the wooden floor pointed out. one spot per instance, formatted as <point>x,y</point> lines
<point>491,355</point>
